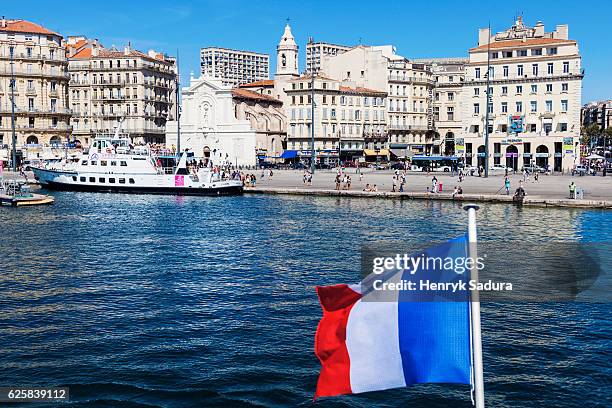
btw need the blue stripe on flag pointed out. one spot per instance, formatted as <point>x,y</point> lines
<point>434,331</point>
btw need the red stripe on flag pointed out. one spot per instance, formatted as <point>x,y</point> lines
<point>330,340</point>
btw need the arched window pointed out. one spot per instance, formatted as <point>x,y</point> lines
<point>32,140</point>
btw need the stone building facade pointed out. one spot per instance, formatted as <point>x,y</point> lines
<point>108,85</point>
<point>36,58</point>
<point>534,98</point>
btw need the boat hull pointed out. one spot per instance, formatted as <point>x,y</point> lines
<point>66,181</point>
<point>199,191</point>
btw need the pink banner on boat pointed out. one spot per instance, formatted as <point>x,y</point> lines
<point>179,181</point>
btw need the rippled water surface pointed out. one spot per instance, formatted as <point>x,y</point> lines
<point>186,301</point>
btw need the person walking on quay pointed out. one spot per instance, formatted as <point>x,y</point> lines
<point>572,190</point>
<point>360,175</point>
<point>402,183</point>
<point>535,177</point>
<point>348,182</point>
<point>309,178</point>
<point>338,181</point>
<point>434,184</point>
<point>507,185</point>
<point>525,175</point>
<point>344,182</point>
<point>270,174</point>
<point>394,184</point>
<point>305,177</point>
<point>253,180</point>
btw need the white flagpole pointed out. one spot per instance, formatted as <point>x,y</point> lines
<point>475,310</point>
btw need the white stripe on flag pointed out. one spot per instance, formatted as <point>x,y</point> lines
<point>372,340</point>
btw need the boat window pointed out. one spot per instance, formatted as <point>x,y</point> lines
<point>93,163</point>
<point>121,181</point>
<point>92,179</point>
<point>123,163</point>
<point>83,179</point>
<point>95,144</point>
<point>132,181</point>
<point>103,163</point>
<point>102,180</point>
<point>84,163</point>
<point>113,163</point>
<point>74,178</point>
<point>111,180</point>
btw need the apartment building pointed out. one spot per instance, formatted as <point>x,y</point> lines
<point>110,86</point>
<point>599,113</point>
<point>448,75</point>
<point>234,67</point>
<point>534,98</point>
<point>408,85</point>
<point>33,68</point>
<point>350,121</point>
<point>317,50</point>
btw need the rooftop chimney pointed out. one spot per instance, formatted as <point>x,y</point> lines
<point>128,48</point>
<point>3,22</point>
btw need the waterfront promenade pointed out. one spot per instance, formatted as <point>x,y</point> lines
<point>552,190</point>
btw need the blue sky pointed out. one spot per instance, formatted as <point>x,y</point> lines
<point>426,29</point>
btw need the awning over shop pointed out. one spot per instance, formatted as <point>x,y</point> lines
<point>381,152</point>
<point>399,153</point>
<point>289,154</point>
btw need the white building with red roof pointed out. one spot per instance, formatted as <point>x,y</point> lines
<point>33,68</point>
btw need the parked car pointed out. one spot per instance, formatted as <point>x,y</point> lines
<point>501,167</point>
<point>414,167</point>
<point>580,169</point>
<point>534,168</point>
<point>398,166</point>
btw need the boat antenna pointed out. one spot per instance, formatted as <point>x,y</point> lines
<point>178,108</point>
<point>13,84</point>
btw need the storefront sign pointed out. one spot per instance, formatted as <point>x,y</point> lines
<point>568,145</point>
<point>512,141</point>
<point>541,155</point>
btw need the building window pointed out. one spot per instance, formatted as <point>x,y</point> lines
<point>476,91</point>
<point>566,67</point>
<point>536,51</point>
<point>534,89</point>
<point>564,105</point>
<point>519,89</point>
<point>532,128</point>
<point>519,69</point>
<point>552,51</point>
<point>549,106</point>
<point>477,73</point>
<point>504,107</point>
<point>450,112</point>
<point>564,87</point>
<point>522,53</point>
<point>549,88</point>
<point>450,96</point>
<point>563,127</point>
<point>504,90</point>
<point>550,68</point>
<point>519,107</point>
<point>534,106</point>
<point>506,71</point>
<point>476,109</point>
<point>534,69</point>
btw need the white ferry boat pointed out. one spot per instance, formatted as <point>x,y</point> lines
<point>112,165</point>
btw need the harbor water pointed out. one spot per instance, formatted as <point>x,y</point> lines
<point>135,301</point>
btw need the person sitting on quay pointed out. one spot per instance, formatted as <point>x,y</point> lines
<point>520,193</point>
<point>367,187</point>
<point>457,191</point>
<point>375,188</point>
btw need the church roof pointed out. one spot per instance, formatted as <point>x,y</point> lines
<point>240,93</point>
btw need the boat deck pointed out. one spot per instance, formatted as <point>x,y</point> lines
<point>30,199</point>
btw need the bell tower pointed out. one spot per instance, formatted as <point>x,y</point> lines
<point>287,55</point>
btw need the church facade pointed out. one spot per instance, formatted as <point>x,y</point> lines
<point>228,126</point>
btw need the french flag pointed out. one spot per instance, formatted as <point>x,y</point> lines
<point>368,340</point>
